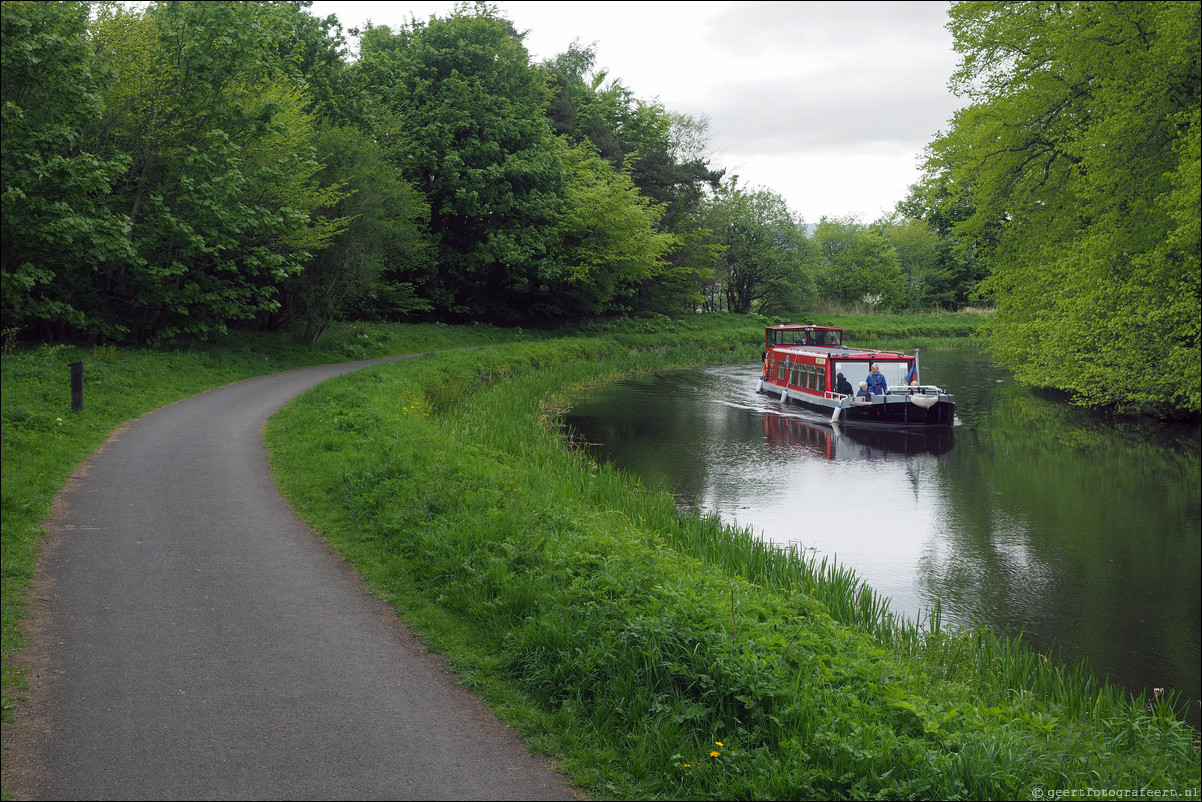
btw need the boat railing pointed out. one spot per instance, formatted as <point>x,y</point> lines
<point>914,389</point>
<point>821,349</point>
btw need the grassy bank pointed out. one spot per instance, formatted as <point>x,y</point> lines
<point>671,657</point>
<point>631,642</point>
<point>905,331</point>
<point>42,440</point>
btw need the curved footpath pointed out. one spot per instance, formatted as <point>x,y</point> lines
<point>192,639</point>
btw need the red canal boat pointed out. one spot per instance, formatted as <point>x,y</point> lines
<point>802,365</point>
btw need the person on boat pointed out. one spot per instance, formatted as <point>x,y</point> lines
<point>876,382</point>
<point>865,395</point>
<point>842,385</point>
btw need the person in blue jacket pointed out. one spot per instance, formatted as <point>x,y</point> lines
<point>864,396</point>
<point>876,382</point>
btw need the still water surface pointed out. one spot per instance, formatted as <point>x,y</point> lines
<point>1029,515</point>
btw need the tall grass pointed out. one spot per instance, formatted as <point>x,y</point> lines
<point>901,332</point>
<point>663,654</point>
<point>658,654</point>
<point>42,440</point>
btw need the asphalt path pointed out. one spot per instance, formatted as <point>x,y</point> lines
<point>193,639</point>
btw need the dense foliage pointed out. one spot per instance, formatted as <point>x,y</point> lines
<point>175,169</point>
<point>210,163</point>
<point>766,262</point>
<point>1073,177</point>
<point>55,221</point>
<point>179,168</point>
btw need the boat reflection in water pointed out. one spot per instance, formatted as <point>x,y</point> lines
<point>833,441</point>
<point>1084,542</point>
<point>869,497</point>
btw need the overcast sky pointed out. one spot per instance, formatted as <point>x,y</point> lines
<point>828,104</point>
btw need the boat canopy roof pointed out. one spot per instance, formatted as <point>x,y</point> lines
<point>829,336</point>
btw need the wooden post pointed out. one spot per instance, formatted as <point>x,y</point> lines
<point>76,386</point>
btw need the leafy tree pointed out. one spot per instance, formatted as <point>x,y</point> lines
<point>311,51</point>
<point>921,255</point>
<point>475,140</point>
<point>585,106</point>
<point>610,246</point>
<point>222,178</point>
<point>664,154</point>
<point>858,265</point>
<point>379,251</point>
<point>54,225</point>
<point>527,223</point>
<point>689,280</point>
<point>666,171</point>
<point>766,258</point>
<point>663,150</point>
<point>1079,160</point>
<point>958,266</point>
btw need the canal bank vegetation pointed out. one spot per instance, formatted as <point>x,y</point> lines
<point>657,655</point>
<point>1070,178</point>
<point>664,655</point>
<point>43,440</point>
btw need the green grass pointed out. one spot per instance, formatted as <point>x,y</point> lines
<point>43,441</point>
<point>903,332</point>
<point>632,642</point>
<point>626,639</point>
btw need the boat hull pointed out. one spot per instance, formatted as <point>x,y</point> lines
<point>923,406</point>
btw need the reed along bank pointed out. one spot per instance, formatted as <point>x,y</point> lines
<point>660,654</point>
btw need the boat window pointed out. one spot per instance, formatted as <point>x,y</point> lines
<point>782,370</point>
<point>805,337</point>
<point>788,337</point>
<point>795,379</point>
<point>821,378</point>
<point>856,371</point>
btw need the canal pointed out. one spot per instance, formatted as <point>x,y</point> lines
<point>1029,515</point>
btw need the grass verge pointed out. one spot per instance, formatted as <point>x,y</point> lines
<point>657,656</point>
<point>667,656</point>
<point>42,440</point>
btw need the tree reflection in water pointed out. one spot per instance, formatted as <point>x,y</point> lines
<point>1029,515</point>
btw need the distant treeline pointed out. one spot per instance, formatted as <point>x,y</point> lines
<point>176,169</point>
<point>179,168</point>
